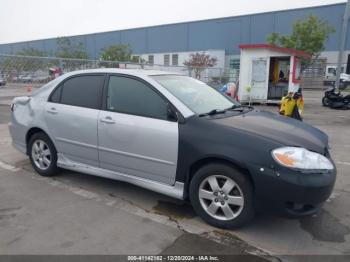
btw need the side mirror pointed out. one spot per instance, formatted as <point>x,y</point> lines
<point>171,114</point>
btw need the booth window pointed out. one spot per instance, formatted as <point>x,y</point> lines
<point>151,59</point>
<point>166,60</point>
<point>235,63</point>
<point>175,59</point>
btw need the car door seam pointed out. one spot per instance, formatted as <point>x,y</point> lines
<point>137,156</point>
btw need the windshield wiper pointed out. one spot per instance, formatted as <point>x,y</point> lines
<point>247,106</point>
<point>239,108</point>
<point>213,112</point>
<point>236,108</point>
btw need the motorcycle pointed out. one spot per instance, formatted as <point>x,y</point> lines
<point>335,99</point>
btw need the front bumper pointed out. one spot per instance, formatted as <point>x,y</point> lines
<point>290,191</point>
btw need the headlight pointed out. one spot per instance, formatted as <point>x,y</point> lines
<point>301,158</point>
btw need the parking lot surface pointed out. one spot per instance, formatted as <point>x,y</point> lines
<point>79,214</point>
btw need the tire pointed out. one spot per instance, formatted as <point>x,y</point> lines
<point>212,204</point>
<point>43,155</point>
<point>325,101</point>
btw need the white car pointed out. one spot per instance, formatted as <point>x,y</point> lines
<point>330,77</point>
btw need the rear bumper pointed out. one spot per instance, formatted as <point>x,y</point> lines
<point>291,192</point>
<point>18,138</point>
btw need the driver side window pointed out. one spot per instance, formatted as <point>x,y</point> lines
<point>131,96</point>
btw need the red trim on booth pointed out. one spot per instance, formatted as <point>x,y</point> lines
<point>291,51</point>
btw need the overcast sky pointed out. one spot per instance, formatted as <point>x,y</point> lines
<point>22,20</point>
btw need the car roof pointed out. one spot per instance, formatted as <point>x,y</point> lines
<point>45,90</point>
<point>135,72</point>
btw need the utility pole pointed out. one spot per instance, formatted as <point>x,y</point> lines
<point>343,36</point>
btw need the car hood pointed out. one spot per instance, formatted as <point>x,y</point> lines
<point>284,130</point>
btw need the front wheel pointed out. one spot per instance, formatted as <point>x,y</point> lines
<point>325,101</point>
<point>222,196</point>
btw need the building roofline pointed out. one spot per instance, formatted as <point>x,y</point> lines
<point>276,48</point>
<point>179,23</point>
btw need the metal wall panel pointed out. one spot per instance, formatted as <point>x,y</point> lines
<point>215,34</point>
<point>38,44</point>
<point>50,46</point>
<point>136,38</point>
<point>167,38</point>
<point>104,40</point>
<point>19,46</point>
<point>261,26</point>
<point>223,33</point>
<point>246,35</point>
<point>333,14</point>
<point>6,49</point>
<point>90,41</point>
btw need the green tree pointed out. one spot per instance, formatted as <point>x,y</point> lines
<point>67,49</point>
<point>70,50</point>
<point>34,62</point>
<point>115,54</point>
<point>308,35</point>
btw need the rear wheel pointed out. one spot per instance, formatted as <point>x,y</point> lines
<point>43,155</point>
<point>222,196</point>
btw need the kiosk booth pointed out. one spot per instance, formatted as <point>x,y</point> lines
<point>269,72</point>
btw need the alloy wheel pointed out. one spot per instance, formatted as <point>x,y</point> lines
<point>41,154</point>
<point>221,197</point>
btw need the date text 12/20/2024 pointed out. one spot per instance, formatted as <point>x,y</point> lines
<point>174,258</point>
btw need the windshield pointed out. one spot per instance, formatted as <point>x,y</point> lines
<point>195,94</point>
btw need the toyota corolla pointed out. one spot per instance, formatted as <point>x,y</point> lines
<point>177,136</point>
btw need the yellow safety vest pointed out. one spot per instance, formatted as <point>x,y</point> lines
<point>288,103</point>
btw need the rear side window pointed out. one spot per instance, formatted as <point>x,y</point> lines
<point>130,96</point>
<point>82,91</point>
<point>56,95</point>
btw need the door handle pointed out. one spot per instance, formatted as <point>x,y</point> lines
<point>52,110</point>
<point>108,120</point>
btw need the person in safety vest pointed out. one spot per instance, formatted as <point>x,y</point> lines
<point>292,105</point>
